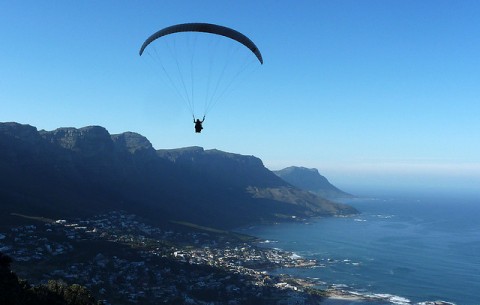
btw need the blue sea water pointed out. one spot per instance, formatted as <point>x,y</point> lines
<point>417,249</point>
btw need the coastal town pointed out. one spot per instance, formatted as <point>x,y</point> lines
<point>123,260</point>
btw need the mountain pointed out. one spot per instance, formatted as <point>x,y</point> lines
<point>310,179</point>
<point>70,172</point>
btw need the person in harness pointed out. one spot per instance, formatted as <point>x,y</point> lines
<point>198,124</point>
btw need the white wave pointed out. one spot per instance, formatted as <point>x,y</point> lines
<point>295,256</point>
<point>394,299</point>
<point>339,286</point>
<point>318,266</point>
<point>436,303</point>
<point>267,241</point>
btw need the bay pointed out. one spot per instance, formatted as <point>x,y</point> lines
<point>409,249</point>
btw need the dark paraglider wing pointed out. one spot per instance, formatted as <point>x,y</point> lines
<point>205,28</point>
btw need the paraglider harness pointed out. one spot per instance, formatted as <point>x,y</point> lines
<point>198,124</point>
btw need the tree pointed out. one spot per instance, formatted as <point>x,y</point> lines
<point>18,292</point>
<point>10,288</point>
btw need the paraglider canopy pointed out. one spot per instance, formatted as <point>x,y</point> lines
<point>205,28</point>
<point>202,62</point>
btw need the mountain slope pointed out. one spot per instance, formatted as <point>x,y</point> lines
<point>72,172</point>
<point>310,179</point>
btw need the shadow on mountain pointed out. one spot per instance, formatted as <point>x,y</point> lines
<point>73,172</point>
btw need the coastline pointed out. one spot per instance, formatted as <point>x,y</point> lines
<point>334,295</point>
<point>344,297</point>
<point>349,298</point>
<point>394,221</point>
<point>252,269</point>
<point>346,300</point>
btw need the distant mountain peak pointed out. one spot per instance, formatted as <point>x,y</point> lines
<point>309,179</point>
<point>293,169</point>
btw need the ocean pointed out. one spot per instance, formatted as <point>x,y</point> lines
<point>410,250</point>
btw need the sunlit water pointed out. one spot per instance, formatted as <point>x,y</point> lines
<point>416,249</point>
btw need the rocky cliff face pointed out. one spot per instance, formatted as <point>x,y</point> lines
<point>72,172</point>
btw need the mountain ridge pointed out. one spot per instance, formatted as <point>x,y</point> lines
<point>81,171</point>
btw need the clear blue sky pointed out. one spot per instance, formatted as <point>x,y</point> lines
<point>375,94</point>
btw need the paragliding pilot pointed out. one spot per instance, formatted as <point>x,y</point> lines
<point>198,124</point>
